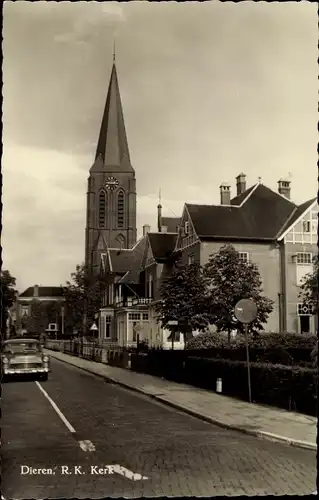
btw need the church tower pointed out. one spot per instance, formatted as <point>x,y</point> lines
<point>111,193</point>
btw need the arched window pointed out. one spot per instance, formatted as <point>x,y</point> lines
<point>120,209</point>
<point>102,209</point>
<point>120,240</point>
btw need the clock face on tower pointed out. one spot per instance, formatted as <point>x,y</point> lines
<point>111,183</point>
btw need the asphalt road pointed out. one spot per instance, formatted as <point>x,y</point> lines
<point>154,450</point>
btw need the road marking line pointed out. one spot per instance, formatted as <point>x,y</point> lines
<point>87,445</point>
<point>59,412</point>
<point>127,473</point>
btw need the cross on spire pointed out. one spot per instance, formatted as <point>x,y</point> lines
<point>114,51</point>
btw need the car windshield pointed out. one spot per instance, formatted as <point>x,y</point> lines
<point>21,348</point>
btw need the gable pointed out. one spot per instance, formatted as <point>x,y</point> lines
<point>100,243</point>
<point>149,257</point>
<point>304,226</point>
<point>187,234</point>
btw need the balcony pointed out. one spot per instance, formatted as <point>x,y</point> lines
<point>133,302</point>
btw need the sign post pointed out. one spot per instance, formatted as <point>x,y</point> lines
<point>94,329</point>
<point>246,312</point>
<point>173,323</point>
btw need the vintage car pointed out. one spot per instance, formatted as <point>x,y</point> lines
<point>24,356</point>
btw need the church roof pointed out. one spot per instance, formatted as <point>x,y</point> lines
<point>43,291</point>
<point>124,260</point>
<point>171,223</point>
<point>112,148</point>
<point>261,216</point>
<point>162,245</point>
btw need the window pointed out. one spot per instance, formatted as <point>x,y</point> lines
<point>186,227</point>
<point>244,256</point>
<point>110,294</point>
<point>102,209</point>
<point>107,331</point>
<point>306,226</point>
<point>150,286</point>
<point>304,258</point>
<point>24,310</point>
<point>304,310</point>
<point>134,316</point>
<point>145,316</point>
<point>120,209</point>
<point>105,326</point>
<point>191,259</point>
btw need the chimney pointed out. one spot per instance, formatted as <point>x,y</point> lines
<point>146,229</point>
<point>159,217</point>
<point>224,193</point>
<point>241,183</point>
<point>36,291</point>
<point>284,188</point>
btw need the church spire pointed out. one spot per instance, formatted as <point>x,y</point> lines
<point>112,145</point>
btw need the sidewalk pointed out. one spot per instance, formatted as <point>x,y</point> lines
<point>257,420</point>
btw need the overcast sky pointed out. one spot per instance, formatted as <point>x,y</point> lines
<point>208,90</point>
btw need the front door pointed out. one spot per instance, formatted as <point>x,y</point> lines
<point>304,324</point>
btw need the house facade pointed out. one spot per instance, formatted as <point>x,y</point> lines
<point>43,294</point>
<point>268,229</point>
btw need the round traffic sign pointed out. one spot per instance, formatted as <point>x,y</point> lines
<point>246,310</point>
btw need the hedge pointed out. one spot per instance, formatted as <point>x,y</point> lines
<point>288,387</point>
<point>282,348</point>
<point>263,339</point>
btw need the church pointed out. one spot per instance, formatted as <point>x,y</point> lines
<point>265,227</point>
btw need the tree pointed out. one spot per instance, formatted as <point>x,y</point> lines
<point>8,296</point>
<point>83,297</point>
<point>183,300</point>
<point>230,279</point>
<point>36,321</point>
<point>309,293</point>
<point>53,309</point>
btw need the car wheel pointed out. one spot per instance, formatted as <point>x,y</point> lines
<point>44,377</point>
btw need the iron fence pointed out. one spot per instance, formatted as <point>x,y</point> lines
<point>99,351</point>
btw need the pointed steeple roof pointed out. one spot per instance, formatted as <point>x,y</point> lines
<point>112,147</point>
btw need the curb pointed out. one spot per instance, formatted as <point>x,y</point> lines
<point>259,434</point>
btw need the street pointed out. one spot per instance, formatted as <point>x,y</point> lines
<point>77,436</point>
